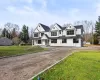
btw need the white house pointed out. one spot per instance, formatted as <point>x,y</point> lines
<point>57,35</point>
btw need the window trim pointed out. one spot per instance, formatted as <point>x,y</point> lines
<point>42,34</point>
<point>75,40</point>
<point>39,42</point>
<point>53,33</point>
<point>69,32</point>
<point>59,31</point>
<point>53,39</point>
<point>65,41</point>
<point>37,34</point>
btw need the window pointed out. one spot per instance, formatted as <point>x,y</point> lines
<point>35,34</point>
<point>53,40</point>
<point>70,32</point>
<point>75,40</point>
<point>60,32</point>
<point>42,34</point>
<point>39,41</point>
<point>53,33</point>
<point>64,41</point>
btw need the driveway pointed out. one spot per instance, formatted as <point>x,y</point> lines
<point>25,66</point>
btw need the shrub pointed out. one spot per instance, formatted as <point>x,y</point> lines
<point>16,41</point>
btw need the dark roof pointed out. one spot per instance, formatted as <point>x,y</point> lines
<point>79,26</point>
<point>59,26</point>
<point>63,28</point>
<point>46,28</point>
<point>46,35</point>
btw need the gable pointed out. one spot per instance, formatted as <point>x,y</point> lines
<point>55,27</point>
<point>36,30</point>
<point>70,27</point>
<point>44,37</point>
<point>39,28</point>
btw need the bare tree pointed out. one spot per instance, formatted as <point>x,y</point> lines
<point>88,28</point>
<point>10,27</point>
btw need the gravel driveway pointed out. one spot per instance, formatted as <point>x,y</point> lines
<point>25,66</point>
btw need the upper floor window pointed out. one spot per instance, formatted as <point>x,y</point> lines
<point>60,32</point>
<point>75,40</point>
<point>53,33</point>
<point>35,34</point>
<point>42,34</point>
<point>70,32</point>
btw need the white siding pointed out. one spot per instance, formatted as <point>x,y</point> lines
<point>68,43</point>
<point>39,28</point>
<point>78,31</point>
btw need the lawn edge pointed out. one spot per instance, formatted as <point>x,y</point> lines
<point>52,65</point>
<point>21,54</point>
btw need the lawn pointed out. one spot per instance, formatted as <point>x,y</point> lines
<point>83,65</point>
<point>18,50</point>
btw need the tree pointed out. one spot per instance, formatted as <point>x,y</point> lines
<point>11,26</point>
<point>3,33</point>
<point>12,29</point>
<point>88,28</point>
<point>16,40</point>
<point>95,39</point>
<point>14,33</point>
<point>24,35</point>
<point>97,27</point>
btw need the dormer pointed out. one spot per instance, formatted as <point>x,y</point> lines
<point>70,30</point>
<point>55,30</point>
<point>70,27</point>
<point>79,29</point>
<point>40,30</point>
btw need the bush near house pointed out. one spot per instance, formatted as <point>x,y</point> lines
<point>84,65</point>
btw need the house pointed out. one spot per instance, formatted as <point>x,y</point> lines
<point>5,41</point>
<point>57,35</point>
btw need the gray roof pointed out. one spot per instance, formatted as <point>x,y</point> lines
<point>79,26</point>
<point>5,41</point>
<point>59,26</point>
<point>46,28</point>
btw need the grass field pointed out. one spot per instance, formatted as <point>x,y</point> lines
<point>18,50</point>
<point>84,65</point>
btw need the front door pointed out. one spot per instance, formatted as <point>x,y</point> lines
<point>46,42</point>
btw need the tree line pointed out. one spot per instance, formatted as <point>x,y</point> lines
<point>12,32</point>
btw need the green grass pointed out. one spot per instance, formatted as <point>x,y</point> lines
<point>84,65</point>
<point>18,50</point>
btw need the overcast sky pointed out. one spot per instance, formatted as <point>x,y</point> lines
<point>32,12</point>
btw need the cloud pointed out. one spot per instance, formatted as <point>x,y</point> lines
<point>32,12</point>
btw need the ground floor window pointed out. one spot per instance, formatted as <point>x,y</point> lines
<point>53,40</point>
<point>39,41</point>
<point>75,40</point>
<point>64,41</point>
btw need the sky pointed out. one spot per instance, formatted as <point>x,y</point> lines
<point>48,12</point>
